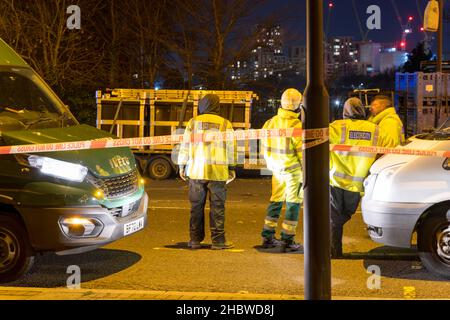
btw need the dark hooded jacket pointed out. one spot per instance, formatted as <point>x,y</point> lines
<point>211,160</point>
<point>210,103</point>
<point>354,109</point>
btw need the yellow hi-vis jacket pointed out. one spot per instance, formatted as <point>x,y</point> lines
<point>391,126</point>
<point>283,154</point>
<point>349,169</point>
<point>207,160</point>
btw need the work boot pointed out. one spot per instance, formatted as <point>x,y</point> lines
<point>270,242</point>
<point>290,245</point>
<point>222,245</point>
<point>194,245</point>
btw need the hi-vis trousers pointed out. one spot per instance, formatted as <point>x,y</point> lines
<point>286,187</point>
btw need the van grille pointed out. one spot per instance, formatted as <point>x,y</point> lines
<point>119,186</point>
<point>124,211</point>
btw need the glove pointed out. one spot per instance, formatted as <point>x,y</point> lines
<point>183,175</point>
<point>231,176</point>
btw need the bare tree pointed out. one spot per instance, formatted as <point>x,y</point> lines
<point>225,33</point>
<point>150,25</point>
<point>133,42</point>
<point>39,32</point>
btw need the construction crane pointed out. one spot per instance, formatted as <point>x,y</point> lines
<point>330,8</point>
<point>406,28</point>
<point>358,20</point>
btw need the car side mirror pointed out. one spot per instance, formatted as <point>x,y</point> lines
<point>446,164</point>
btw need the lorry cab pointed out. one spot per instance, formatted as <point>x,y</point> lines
<point>61,201</point>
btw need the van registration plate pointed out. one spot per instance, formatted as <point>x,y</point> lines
<point>133,226</point>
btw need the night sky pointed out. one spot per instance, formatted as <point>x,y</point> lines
<point>292,17</point>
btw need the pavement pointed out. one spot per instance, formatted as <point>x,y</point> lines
<point>17,293</point>
<point>157,264</point>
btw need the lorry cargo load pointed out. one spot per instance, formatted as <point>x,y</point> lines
<point>130,113</point>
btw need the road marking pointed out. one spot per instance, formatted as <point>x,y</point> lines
<point>187,201</point>
<point>409,292</point>
<point>173,208</point>
<point>205,247</point>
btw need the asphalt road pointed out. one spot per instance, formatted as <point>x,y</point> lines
<point>158,258</point>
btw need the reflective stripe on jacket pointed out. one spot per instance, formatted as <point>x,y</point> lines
<point>207,160</point>
<point>391,126</point>
<point>349,169</point>
<point>283,154</point>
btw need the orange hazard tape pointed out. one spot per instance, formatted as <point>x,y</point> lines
<point>398,150</point>
<point>318,136</point>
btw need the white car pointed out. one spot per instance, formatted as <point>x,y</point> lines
<point>407,194</point>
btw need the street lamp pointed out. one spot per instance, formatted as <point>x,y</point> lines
<point>434,21</point>
<point>316,164</point>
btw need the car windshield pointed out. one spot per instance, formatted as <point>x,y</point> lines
<point>442,133</point>
<point>26,102</point>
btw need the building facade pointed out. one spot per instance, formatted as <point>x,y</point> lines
<point>341,57</point>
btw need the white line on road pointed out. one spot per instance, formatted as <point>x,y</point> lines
<point>173,208</point>
<point>187,201</point>
<point>172,249</point>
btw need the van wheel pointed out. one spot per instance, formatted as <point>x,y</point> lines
<point>16,254</point>
<point>159,169</point>
<point>433,242</point>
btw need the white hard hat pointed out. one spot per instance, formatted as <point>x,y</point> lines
<point>291,99</point>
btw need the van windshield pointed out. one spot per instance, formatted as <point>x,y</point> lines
<point>27,103</point>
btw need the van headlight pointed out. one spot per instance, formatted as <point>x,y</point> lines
<point>59,169</point>
<point>81,227</point>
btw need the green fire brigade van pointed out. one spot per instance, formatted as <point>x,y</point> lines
<point>67,201</point>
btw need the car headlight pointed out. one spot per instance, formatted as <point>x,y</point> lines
<point>57,168</point>
<point>370,180</point>
<point>385,186</point>
<point>387,173</point>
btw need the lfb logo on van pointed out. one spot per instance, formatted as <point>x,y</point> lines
<point>120,163</point>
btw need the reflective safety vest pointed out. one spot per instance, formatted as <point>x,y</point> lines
<point>391,126</point>
<point>283,154</point>
<point>349,169</point>
<point>207,160</point>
